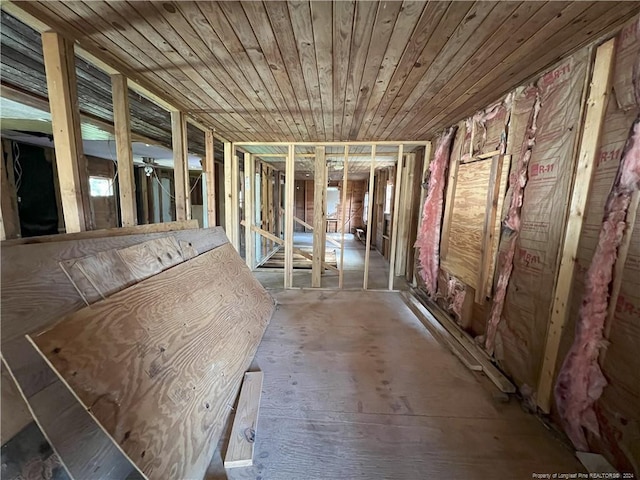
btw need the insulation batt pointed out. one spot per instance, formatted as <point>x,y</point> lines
<point>517,182</point>
<point>580,381</point>
<point>457,291</point>
<point>428,240</point>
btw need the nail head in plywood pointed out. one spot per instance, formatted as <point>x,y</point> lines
<point>245,423</point>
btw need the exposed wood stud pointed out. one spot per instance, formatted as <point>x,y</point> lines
<point>367,243</point>
<point>235,198</point>
<point>180,167</point>
<point>396,214</point>
<point>60,69</point>
<point>454,161</point>
<point>9,219</point>
<point>596,108</point>
<point>289,186</point>
<point>426,162</point>
<point>249,208</point>
<point>488,236</point>
<point>122,127</point>
<point>343,206</point>
<point>210,178</point>
<point>319,215</point>
<point>228,191</point>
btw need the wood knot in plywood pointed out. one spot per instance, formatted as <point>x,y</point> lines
<point>250,434</point>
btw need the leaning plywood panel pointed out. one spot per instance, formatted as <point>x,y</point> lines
<point>107,232</point>
<point>35,293</point>
<point>158,364</point>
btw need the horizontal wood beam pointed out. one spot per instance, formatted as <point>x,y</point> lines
<point>332,144</point>
<point>42,103</point>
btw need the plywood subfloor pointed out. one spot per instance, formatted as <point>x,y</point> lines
<point>355,387</point>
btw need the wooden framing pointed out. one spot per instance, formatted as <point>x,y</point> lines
<point>396,215</point>
<point>289,186</point>
<point>9,218</point>
<point>235,198</point>
<point>454,161</point>
<point>596,108</point>
<point>210,178</point>
<point>122,128</point>
<point>489,237</point>
<point>343,206</point>
<point>180,165</point>
<point>426,163</point>
<point>319,215</point>
<point>249,208</point>
<point>367,244</point>
<point>228,193</point>
<point>59,63</point>
<point>404,213</point>
<point>245,423</point>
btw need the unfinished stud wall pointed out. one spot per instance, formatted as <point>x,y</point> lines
<point>617,409</point>
<point>543,142</point>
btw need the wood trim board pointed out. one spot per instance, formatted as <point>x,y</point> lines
<point>245,423</point>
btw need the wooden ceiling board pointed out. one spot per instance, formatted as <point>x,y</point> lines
<point>574,25</point>
<point>331,71</point>
<point>480,20</point>
<point>247,46</point>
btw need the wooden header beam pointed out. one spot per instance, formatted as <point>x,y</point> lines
<point>122,128</point>
<point>331,144</point>
<point>596,109</point>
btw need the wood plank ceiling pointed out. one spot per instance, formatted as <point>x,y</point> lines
<point>331,71</point>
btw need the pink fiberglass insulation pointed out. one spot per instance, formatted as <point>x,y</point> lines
<point>580,381</point>
<point>456,293</point>
<point>517,182</point>
<point>428,240</point>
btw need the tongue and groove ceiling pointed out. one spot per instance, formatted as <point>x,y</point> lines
<point>330,71</point>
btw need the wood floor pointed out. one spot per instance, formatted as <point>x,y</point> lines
<point>355,387</point>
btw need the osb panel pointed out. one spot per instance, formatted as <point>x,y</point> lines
<point>467,219</point>
<point>522,331</point>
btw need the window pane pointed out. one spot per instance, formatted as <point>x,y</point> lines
<point>100,187</point>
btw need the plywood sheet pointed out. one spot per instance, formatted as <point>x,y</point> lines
<point>35,293</point>
<point>469,209</point>
<point>158,364</point>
